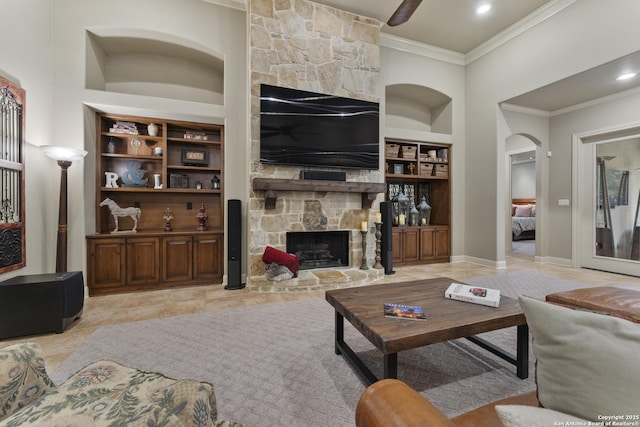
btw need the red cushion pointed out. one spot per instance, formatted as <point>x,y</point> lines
<point>273,255</point>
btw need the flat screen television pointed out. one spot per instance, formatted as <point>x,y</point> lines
<point>311,129</point>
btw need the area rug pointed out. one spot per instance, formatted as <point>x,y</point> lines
<point>274,364</point>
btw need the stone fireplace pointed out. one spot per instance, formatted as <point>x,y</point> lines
<point>305,45</point>
<point>319,249</point>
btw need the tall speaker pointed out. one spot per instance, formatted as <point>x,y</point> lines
<point>234,245</point>
<point>386,245</point>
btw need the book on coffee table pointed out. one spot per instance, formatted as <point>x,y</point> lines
<point>473,294</point>
<point>403,311</point>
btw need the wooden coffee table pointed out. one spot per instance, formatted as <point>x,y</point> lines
<point>446,320</point>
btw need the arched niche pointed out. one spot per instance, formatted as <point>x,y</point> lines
<point>417,108</point>
<point>136,62</point>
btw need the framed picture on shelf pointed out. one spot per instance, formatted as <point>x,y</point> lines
<point>398,168</point>
<point>195,156</point>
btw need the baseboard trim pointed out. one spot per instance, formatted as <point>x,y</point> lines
<point>553,260</point>
<point>498,265</point>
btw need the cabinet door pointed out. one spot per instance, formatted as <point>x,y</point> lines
<point>443,242</point>
<point>410,244</point>
<point>176,258</point>
<point>207,257</point>
<point>427,243</point>
<point>143,261</point>
<point>396,245</point>
<point>106,264</point>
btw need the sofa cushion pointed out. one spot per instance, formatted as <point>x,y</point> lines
<point>23,378</point>
<point>587,363</point>
<point>530,416</point>
<point>111,394</point>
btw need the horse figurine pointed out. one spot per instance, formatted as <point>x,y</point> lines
<point>117,211</point>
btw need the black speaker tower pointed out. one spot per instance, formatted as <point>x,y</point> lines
<point>234,245</point>
<point>386,246</point>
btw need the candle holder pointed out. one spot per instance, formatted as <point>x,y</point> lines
<point>363,265</point>
<point>378,264</point>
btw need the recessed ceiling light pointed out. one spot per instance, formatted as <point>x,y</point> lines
<point>483,9</point>
<point>626,76</point>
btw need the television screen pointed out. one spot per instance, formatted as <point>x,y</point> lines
<point>311,129</point>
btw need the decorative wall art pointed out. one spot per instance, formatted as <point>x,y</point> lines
<point>12,212</point>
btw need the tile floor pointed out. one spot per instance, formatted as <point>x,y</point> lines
<point>113,309</point>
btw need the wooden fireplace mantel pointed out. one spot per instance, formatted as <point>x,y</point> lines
<point>369,190</point>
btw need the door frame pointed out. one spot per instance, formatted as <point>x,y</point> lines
<point>583,225</point>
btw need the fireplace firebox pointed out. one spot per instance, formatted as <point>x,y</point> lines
<point>319,249</point>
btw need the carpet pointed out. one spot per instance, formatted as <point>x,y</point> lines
<point>274,364</point>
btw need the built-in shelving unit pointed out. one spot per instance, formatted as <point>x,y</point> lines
<point>419,169</point>
<point>174,170</point>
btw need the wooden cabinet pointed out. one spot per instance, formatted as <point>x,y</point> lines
<point>177,255</point>
<point>420,244</point>
<point>106,262</point>
<point>143,266</point>
<point>149,175</point>
<point>417,170</point>
<point>153,261</point>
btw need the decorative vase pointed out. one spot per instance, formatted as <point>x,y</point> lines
<point>152,128</point>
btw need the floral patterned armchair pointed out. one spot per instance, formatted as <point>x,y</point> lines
<point>103,393</point>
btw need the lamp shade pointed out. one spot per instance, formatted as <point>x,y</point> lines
<point>63,153</point>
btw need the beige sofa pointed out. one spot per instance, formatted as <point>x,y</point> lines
<point>103,393</point>
<point>587,347</point>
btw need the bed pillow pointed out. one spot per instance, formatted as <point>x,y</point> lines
<point>524,210</point>
<point>586,362</point>
<point>533,210</point>
<point>531,416</point>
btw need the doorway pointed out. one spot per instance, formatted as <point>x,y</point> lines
<point>521,193</point>
<point>608,194</point>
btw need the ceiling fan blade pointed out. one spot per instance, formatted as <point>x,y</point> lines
<point>403,12</point>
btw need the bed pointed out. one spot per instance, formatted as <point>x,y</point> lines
<point>523,219</point>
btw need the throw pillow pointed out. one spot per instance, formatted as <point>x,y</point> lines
<point>524,211</point>
<point>587,363</point>
<point>23,378</point>
<point>531,416</point>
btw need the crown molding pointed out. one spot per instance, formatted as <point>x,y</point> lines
<point>597,101</point>
<point>536,17</point>
<point>410,46</point>
<point>233,4</point>
<point>525,110</point>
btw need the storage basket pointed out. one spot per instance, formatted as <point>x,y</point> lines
<point>441,170</point>
<point>409,152</point>
<point>426,169</point>
<point>391,150</point>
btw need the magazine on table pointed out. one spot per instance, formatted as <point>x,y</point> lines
<point>404,311</point>
<point>473,294</point>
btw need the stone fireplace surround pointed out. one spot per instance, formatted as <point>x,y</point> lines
<point>297,211</point>
<point>309,46</point>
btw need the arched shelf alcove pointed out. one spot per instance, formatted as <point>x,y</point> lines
<point>411,108</point>
<point>150,64</point>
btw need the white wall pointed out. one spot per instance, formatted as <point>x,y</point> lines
<point>563,45</point>
<point>27,62</point>
<point>398,67</point>
<point>523,180</point>
<point>48,60</point>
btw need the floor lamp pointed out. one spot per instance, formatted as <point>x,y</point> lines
<point>64,156</point>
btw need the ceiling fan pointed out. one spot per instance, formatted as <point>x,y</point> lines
<point>403,12</point>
